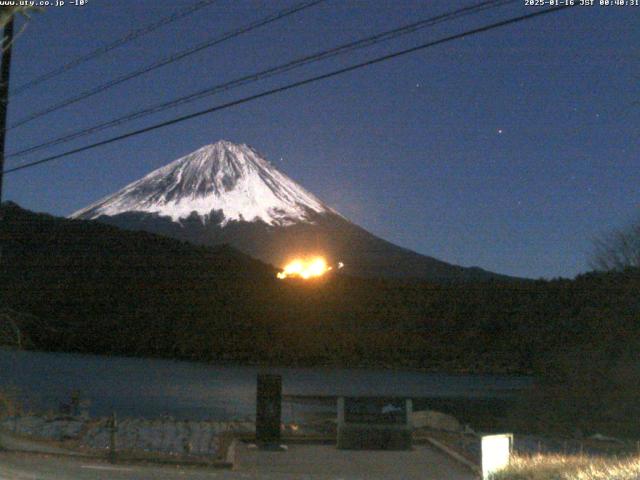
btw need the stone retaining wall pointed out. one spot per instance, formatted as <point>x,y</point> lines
<point>165,435</point>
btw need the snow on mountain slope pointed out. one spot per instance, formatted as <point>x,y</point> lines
<point>224,176</point>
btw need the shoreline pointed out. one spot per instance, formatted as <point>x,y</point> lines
<point>373,367</point>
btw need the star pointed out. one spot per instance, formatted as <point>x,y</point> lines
<point>500,131</point>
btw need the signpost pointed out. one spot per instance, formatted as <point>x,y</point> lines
<point>496,453</point>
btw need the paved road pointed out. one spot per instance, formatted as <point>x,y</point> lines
<point>325,462</point>
<point>317,462</point>
<point>20,466</point>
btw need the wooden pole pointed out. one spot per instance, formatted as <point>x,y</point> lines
<point>113,437</point>
<point>5,71</point>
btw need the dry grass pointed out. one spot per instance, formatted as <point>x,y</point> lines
<point>570,467</point>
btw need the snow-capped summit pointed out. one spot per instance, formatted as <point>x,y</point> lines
<point>225,177</point>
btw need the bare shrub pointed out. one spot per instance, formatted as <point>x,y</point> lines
<point>617,250</point>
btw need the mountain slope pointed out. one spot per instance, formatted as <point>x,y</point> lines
<point>227,193</point>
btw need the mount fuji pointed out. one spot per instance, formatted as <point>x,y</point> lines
<point>228,193</point>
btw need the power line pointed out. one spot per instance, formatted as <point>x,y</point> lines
<point>167,60</point>
<point>290,86</point>
<point>247,79</point>
<point>133,35</point>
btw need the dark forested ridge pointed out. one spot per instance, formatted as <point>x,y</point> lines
<point>96,288</point>
<point>363,254</point>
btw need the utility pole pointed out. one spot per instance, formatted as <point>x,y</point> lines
<point>5,70</point>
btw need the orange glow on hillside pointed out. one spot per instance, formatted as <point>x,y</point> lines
<point>305,268</point>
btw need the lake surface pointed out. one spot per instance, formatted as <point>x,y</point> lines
<point>151,388</point>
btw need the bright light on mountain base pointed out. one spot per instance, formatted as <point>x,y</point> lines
<point>306,268</point>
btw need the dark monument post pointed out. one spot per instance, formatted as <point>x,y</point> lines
<point>268,410</point>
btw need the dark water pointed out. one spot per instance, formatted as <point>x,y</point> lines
<point>185,390</point>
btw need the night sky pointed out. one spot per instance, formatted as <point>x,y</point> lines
<point>510,150</point>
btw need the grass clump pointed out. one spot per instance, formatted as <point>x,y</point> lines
<point>570,467</point>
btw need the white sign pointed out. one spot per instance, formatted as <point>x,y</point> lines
<point>496,452</point>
